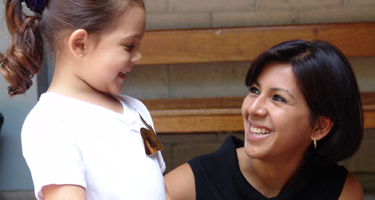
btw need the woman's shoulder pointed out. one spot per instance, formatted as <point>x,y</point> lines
<point>180,182</point>
<point>352,189</point>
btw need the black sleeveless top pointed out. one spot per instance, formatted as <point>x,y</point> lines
<point>218,176</point>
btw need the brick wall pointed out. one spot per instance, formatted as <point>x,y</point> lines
<point>172,14</point>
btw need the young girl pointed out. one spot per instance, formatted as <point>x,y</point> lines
<point>82,140</point>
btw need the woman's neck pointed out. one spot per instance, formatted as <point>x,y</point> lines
<point>268,178</point>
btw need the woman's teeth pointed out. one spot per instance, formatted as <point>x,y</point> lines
<point>259,131</point>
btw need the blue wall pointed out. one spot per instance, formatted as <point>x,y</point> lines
<point>14,173</point>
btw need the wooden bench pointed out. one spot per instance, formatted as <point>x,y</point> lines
<point>241,44</point>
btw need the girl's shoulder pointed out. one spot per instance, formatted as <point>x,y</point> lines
<point>134,104</point>
<point>128,99</point>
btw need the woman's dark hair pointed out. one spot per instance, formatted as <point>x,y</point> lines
<point>329,86</point>
<point>60,18</point>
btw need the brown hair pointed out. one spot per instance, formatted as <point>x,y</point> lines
<point>24,56</point>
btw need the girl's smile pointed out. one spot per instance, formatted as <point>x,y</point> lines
<point>107,63</point>
<point>122,74</point>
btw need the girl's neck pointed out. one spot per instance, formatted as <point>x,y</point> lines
<point>65,84</point>
<point>268,178</point>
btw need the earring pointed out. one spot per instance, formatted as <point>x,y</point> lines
<point>80,55</point>
<point>314,142</point>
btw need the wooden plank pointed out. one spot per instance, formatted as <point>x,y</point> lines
<point>368,100</point>
<point>369,119</point>
<point>244,44</point>
<point>217,114</point>
<point>197,123</point>
<point>194,103</point>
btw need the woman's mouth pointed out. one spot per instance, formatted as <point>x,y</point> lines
<point>259,131</point>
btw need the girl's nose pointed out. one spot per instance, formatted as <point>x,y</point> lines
<point>137,57</point>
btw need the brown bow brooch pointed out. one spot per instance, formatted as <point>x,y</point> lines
<point>150,139</point>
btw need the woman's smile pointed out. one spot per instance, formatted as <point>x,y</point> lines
<point>276,116</point>
<point>257,133</point>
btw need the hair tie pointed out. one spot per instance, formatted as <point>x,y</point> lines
<point>36,5</point>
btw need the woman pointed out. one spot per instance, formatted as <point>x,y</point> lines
<point>303,114</point>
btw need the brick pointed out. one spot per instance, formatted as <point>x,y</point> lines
<point>222,136</point>
<point>187,138</point>
<point>369,134</point>
<point>156,6</point>
<point>369,195</point>
<point>147,82</point>
<point>208,80</point>
<point>183,153</point>
<point>364,160</point>
<point>295,4</point>
<point>177,20</point>
<point>364,70</point>
<point>367,181</point>
<point>336,15</point>
<point>167,156</point>
<point>17,195</point>
<point>360,2</point>
<point>229,19</point>
<point>211,5</point>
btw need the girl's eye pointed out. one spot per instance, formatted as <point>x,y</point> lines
<point>129,47</point>
<point>279,98</point>
<point>254,90</point>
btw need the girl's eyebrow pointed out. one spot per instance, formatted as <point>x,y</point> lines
<point>276,89</point>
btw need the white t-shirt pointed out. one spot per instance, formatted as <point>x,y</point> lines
<point>68,141</point>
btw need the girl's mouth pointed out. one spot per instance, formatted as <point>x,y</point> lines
<point>122,75</point>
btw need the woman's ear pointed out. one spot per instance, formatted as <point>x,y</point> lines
<point>78,43</point>
<point>322,127</point>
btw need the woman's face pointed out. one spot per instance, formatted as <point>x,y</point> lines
<point>276,116</point>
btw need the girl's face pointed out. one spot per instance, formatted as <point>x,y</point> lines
<point>107,63</point>
<point>276,116</point>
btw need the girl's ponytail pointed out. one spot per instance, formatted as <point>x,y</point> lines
<point>24,56</point>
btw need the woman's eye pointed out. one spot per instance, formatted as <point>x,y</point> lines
<point>279,98</point>
<point>254,90</point>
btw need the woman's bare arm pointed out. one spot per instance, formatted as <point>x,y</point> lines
<point>64,192</point>
<point>352,189</point>
<point>180,183</point>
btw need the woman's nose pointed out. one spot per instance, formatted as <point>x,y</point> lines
<point>257,107</point>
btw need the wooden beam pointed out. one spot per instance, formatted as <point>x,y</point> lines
<point>217,114</point>
<point>244,44</point>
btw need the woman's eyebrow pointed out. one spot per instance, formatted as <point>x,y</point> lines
<point>282,89</point>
